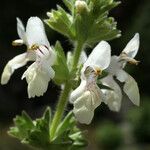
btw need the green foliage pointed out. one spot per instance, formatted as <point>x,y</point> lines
<point>88,24</point>
<point>60,67</point>
<point>37,133</point>
<point>140,121</point>
<point>60,21</point>
<point>109,136</point>
<point>64,124</point>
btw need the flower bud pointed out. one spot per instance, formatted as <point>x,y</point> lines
<point>81,6</point>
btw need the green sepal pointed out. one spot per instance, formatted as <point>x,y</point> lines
<point>60,67</point>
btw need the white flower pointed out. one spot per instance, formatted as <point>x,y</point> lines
<point>113,98</point>
<point>88,96</point>
<point>38,50</point>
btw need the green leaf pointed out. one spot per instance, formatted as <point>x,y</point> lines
<point>78,139</point>
<point>37,132</point>
<point>67,133</point>
<point>61,21</point>
<point>23,124</point>
<point>67,124</point>
<point>69,4</point>
<point>40,136</point>
<point>60,67</point>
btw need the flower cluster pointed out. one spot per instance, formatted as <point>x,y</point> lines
<point>88,96</point>
<point>86,81</point>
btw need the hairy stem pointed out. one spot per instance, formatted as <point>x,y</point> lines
<point>77,54</point>
<point>60,109</point>
<point>65,94</point>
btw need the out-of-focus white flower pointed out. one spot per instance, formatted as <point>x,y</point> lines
<point>113,98</point>
<point>38,50</point>
<point>88,96</point>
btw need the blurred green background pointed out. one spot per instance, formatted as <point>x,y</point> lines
<point>126,130</point>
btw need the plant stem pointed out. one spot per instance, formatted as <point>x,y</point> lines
<point>65,94</point>
<point>77,54</point>
<point>60,109</point>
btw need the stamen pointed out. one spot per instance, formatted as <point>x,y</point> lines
<point>18,42</point>
<point>34,47</point>
<point>134,62</point>
<point>98,71</point>
<point>124,57</point>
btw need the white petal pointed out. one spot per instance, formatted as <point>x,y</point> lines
<point>114,66</point>
<point>83,57</point>
<point>113,97</point>
<point>130,87</point>
<point>37,78</point>
<point>83,115</point>
<point>21,30</point>
<point>12,65</point>
<point>100,56</point>
<point>133,46</point>
<point>35,32</point>
<point>97,96</point>
<point>78,91</point>
<point>84,100</point>
<point>121,75</point>
<point>90,99</point>
<point>132,90</point>
<point>46,56</point>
